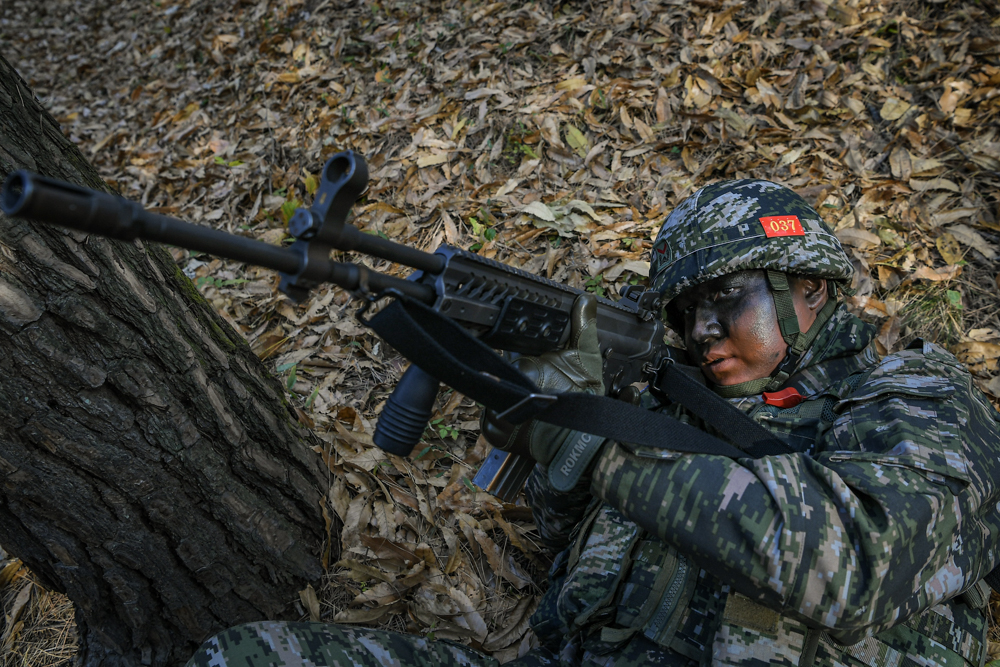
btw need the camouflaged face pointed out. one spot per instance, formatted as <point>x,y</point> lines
<point>718,230</point>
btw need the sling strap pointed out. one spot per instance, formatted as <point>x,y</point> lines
<point>993,579</point>
<point>682,386</point>
<point>448,352</point>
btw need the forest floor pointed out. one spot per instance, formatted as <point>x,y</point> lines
<point>551,136</point>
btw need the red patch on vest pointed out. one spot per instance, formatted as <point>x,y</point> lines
<point>782,225</point>
<point>786,398</point>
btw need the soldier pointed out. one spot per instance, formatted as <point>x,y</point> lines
<point>866,544</point>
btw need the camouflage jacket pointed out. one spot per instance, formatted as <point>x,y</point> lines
<point>862,548</point>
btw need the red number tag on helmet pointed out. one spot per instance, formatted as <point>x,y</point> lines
<point>782,225</point>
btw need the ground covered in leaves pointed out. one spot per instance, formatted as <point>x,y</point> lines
<point>552,136</point>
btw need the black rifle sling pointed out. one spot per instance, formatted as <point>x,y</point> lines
<point>448,352</point>
<point>993,579</point>
<point>714,410</point>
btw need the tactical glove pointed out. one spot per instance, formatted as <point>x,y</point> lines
<point>577,367</point>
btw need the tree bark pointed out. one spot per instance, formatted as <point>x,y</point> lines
<point>149,468</point>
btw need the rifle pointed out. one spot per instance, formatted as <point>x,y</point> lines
<point>503,307</point>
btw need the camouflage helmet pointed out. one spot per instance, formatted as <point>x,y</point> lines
<point>734,226</point>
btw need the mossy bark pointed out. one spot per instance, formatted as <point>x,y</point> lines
<point>147,467</point>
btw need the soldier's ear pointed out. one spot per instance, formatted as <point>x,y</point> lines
<point>813,291</point>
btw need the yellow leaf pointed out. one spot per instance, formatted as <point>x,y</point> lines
<point>576,140</point>
<point>640,267</point>
<point>948,246</point>
<point>312,183</point>
<point>9,572</point>
<point>186,112</point>
<point>431,160</point>
<point>289,77</point>
<point>571,84</point>
<point>894,109</point>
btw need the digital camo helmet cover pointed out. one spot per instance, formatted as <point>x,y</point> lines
<point>733,226</point>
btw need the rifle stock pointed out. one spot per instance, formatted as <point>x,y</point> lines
<point>505,307</point>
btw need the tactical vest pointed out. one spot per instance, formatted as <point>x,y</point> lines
<point>618,584</point>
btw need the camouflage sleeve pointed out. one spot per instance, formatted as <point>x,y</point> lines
<point>556,513</point>
<point>896,512</point>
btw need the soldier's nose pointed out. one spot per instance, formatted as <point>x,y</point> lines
<point>705,326</point>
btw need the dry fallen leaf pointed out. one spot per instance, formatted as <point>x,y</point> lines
<point>539,210</point>
<point>978,354</point>
<point>859,238</point>
<point>948,246</point>
<point>942,274</point>
<point>310,602</point>
<point>894,109</point>
<point>973,239</point>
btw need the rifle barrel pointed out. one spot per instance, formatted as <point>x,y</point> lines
<point>66,205</point>
<point>27,195</point>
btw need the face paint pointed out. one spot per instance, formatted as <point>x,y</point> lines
<point>731,328</point>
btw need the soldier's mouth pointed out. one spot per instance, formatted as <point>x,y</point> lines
<point>713,358</point>
<point>718,364</point>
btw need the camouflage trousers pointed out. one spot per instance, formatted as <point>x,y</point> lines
<point>278,644</point>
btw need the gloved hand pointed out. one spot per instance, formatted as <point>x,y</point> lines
<point>577,367</point>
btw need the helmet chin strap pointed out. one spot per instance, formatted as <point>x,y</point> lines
<point>797,341</point>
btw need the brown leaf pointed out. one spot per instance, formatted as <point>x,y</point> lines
<point>933,184</point>
<point>309,600</point>
<point>889,334</point>
<point>977,352</point>
<point>970,237</point>
<point>937,275</point>
<point>368,616</point>
<point>515,627</point>
<point>899,163</point>
<point>361,572</point>
<point>384,548</point>
<point>859,238</point>
<point>501,564</point>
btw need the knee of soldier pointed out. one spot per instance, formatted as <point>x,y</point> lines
<point>244,645</point>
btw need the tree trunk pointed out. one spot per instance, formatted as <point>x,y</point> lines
<point>149,468</point>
